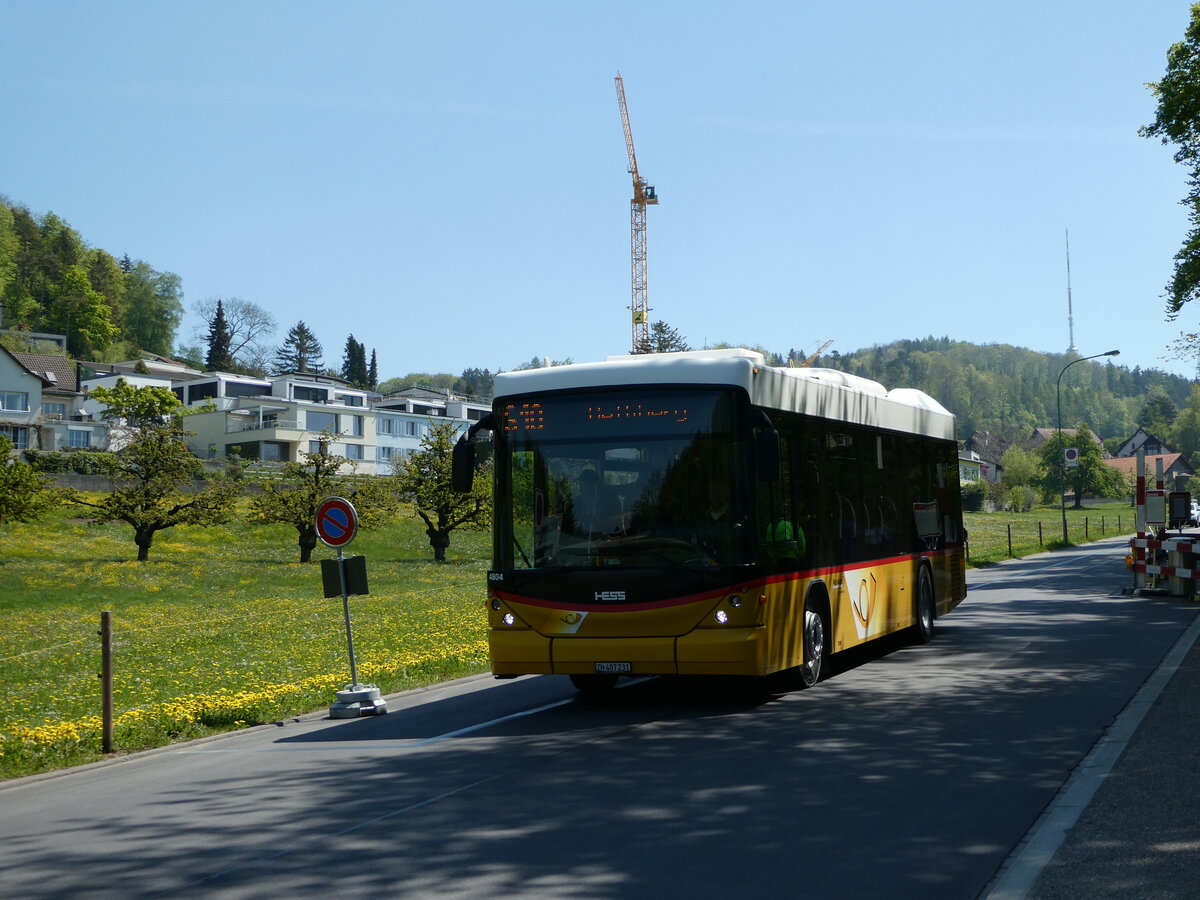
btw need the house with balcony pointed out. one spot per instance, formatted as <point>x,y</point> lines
<point>276,419</point>
<point>43,404</point>
<point>403,419</point>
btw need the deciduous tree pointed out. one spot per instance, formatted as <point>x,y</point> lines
<point>1090,476</point>
<point>293,498</point>
<point>153,308</point>
<point>250,327</point>
<point>424,481</point>
<point>25,494</point>
<point>1177,121</point>
<point>150,474</point>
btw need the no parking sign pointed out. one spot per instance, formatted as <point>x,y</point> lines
<point>336,522</point>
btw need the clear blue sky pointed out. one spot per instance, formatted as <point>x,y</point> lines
<point>447,181</point>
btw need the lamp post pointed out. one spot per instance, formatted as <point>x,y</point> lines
<point>1062,467</point>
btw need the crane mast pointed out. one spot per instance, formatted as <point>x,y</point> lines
<point>643,196</point>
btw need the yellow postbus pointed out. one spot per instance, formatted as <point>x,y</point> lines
<point>704,513</point>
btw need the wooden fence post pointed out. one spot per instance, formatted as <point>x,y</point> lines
<point>106,681</point>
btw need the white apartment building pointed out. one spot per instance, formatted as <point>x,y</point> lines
<point>44,405</point>
<point>277,419</point>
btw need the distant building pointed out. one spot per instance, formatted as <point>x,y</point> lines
<point>277,419</point>
<point>1142,440</point>
<point>990,450</point>
<point>1174,466</point>
<point>43,405</point>
<point>970,468</point>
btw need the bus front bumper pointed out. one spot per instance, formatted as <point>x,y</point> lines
<point>705,651</point>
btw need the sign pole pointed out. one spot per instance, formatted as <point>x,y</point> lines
<point>336,524</point>
<point>346,609</point>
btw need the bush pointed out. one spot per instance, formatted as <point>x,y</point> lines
<point>90,462</point>
<point>47,462</point>
<point>973,496</point>
<point>56,462</point>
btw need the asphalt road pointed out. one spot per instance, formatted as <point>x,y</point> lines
<point>911,772</point>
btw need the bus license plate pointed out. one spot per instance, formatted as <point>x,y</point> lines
<point>614,668</point>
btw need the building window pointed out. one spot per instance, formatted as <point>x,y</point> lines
<point>80,438</point>
<point>54,409</point>
<point>312,394</point>
<point>354,451</point>
<point>356,426</point>
<point>412,429</point>
<point>241,389</point>
<point>18,434</point>
<point>385,454</point>
<point>205,391</point>
<point>383,425</point>
<point>14,401</point>
<point>320,421</point>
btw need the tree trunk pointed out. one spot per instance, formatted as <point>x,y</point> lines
<point>308,541</point>
<point>143,537</point>
<point>439,540</point>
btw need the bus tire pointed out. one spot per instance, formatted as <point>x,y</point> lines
<point>926,608</point>
<point>814,641</point>
<point>593,685</point>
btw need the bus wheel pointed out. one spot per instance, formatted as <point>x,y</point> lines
<point>594,685</point>
<point>814,644</point>
<point>926,608</point>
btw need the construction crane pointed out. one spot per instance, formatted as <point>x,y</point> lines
<point>643,196</point>
<point>812,359</point>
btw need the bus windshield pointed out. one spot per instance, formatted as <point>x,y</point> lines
<point>629,477</point>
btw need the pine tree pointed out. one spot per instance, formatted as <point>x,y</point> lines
<point>662,339</point>
<point>219,358</point>
<point>301,351</point>
<point>354,362</point>
<point>373,373</point>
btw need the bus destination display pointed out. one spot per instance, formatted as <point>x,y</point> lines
<point>523,417</point>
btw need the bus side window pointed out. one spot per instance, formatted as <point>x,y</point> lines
<point>781,531</point>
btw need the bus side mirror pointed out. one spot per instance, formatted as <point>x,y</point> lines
<point>462,465</point>
<point>462,457</point>
<point>766,449</point>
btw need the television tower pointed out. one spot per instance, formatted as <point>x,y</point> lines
<point>1070,312</point>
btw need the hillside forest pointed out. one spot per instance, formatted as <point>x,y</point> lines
<point>113,309</point>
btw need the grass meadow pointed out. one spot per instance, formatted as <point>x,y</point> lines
<point>222,628</point>
<point>1041,529</point>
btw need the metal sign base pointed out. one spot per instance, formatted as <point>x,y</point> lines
<point>356,700</point>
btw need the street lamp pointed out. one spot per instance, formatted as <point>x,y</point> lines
<point>1062,467</point>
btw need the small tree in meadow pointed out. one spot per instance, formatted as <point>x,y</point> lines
<point>150,474</point>
<point>293,498</point>
<point>424,480</point>
<point>152,468</point>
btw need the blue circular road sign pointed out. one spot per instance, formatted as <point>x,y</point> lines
<point>336,522</point>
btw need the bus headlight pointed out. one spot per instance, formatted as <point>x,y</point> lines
<point>735,601</point>
<point>721,616</point>
<point>495,603</point>
<point>509,618</point>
